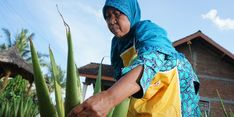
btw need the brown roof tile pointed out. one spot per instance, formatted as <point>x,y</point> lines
<point>207,39</point>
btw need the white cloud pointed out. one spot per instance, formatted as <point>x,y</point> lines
<point>224,24</point>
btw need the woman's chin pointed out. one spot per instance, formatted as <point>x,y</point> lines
<point>118,35</point>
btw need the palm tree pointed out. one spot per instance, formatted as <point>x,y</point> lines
<point>61,78</point>
<point>8,40</point>
<point>21,42</point>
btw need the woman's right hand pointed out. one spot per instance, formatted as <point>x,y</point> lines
<point>95,106</point>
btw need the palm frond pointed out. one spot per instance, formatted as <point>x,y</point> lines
<point>8,37</point>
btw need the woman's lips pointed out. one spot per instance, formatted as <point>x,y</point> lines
<point>114,29</point>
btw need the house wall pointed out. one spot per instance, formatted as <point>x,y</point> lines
<point>214,72</point>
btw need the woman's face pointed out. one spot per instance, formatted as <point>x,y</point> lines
<point>117,22</point>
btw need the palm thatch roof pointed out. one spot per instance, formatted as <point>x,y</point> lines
<point>10,60</point>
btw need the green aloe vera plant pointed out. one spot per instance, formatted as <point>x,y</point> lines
<point>58,95</point>
<point>73,88</point>
<point>98,84</point>
<point>121,109</point>
<point>73,94</point>
<point>231,114</point>
<point>45,104</point>
<point>224,109</point>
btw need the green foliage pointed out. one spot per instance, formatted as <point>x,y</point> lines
<point>224,109</point>
<point>73,88</point>
<point>15,100</point>
<point>72,92</point>
<point>60,77</point>
<point>9,42</point>
<point>98,84</point>
<point>45,105</point>
<point>58,95</point>
<point>121,109</point>
<point>21,43</point>
<point>230,114</point>
<point>14,89</point>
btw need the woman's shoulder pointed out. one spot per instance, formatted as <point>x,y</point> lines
<point>147,25</point>
<point>144,23</point>
<point>150,36</point>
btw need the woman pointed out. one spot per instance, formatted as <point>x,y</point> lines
<point>159,80</point>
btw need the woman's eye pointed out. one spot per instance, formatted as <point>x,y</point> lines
<point>107,16</point>
<point>117,14</point>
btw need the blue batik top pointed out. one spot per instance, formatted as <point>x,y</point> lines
<point>154,52</point>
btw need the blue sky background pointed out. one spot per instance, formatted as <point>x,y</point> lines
<point>90,35</point>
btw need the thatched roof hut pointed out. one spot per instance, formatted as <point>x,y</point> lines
<point>11,61</point>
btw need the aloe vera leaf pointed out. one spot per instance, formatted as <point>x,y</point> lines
<point>72,92</point>
<point>121,109</point>
<point>98,85</point>
<point>45,105</point>
<point>58,96</point>
<point>221,100</point>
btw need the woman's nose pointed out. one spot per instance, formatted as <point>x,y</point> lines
<point>112,20</point>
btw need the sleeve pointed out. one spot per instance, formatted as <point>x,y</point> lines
<point>153,47</point>
<point>152,62</point>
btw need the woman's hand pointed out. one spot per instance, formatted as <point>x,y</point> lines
<point>96,106</point>
<point>100,104</point>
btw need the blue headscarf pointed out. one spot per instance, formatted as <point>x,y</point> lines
<point>147,35</point>
<point>129,7</point>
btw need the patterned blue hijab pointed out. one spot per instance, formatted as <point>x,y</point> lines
<point>129,7</point>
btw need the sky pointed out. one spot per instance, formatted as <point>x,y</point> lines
<point>91,37</point>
